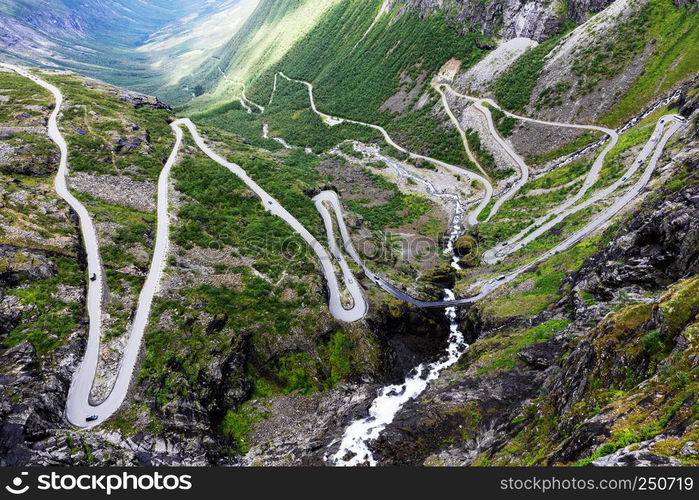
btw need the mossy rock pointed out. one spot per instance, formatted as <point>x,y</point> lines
<point>442,276</point>
<point>465,245</point>
<point>680,305</point>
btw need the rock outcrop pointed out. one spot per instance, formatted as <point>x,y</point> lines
<point>556,402</point>
<point>508,19</point>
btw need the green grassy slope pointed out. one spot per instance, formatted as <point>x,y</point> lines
<point>356,82</point>
<point>673,34</point>
<point>667,33</point>
<point>266,36</point>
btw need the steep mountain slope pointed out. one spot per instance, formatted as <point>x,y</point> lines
<point>241,312</point>
<point>356,83</point>
<point>272,29</point>
<point>585,353</point>
<point>507,19</point>
<point>247,56</point>
<point>403,51</point>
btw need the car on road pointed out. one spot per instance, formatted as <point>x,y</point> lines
<point>91,418</point>
<point>93,277</point>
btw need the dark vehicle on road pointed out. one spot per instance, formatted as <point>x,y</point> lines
<point>91,418</point>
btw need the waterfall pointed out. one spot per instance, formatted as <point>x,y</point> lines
<point>354,447</point>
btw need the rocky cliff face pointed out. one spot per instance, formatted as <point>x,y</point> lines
<point>508,19</point>
<point>616,387</point>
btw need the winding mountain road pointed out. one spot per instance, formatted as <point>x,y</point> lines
<point>523,168</point>
<point>472,176</point>
<point>655,144</point>
<point>79,407</point>
<point>359,308</point>
<point>260,108</point>
<point>243,100</point>
<point>545,223</point>
<point>462,132</point>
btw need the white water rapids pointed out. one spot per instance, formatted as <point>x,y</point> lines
<point>354,448</point>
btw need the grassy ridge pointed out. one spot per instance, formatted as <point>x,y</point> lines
<point>513,89</point>
<point>673,34</point>
<point>355,82</point>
